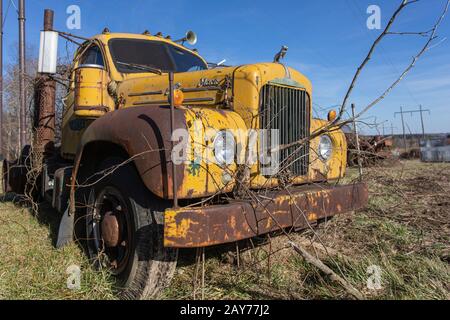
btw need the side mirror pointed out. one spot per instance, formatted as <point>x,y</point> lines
<point>48,52</point>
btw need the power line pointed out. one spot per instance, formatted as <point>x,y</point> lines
<point>14,5</point>
<point>7,10</point>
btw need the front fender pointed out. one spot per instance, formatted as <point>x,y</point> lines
<point>144,133</point>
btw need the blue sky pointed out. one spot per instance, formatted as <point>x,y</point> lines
<point>327,40</point>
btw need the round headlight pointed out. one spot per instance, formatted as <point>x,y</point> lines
<point>325,147</point>
<point>224,147</point>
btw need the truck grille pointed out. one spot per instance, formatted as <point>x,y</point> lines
<point>287,109</point>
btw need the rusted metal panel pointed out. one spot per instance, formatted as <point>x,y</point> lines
<point>217,224</point>
<point>145,134</point>
<point>48,19</point>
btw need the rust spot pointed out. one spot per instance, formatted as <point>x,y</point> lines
<point>233,222</point>
<point>217,224</point>
<point>150,131</point>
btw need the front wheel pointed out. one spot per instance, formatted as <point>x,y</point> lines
<point>123,233</point>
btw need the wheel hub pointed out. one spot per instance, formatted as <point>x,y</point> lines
<point>110,230</point>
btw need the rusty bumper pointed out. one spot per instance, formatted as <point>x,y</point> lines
<point>218,224</point>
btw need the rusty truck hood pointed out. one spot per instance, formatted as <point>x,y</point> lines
<point>200,88</point>
<point>230,87</point>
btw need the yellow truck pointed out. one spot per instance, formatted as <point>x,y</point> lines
<point>114,177</point>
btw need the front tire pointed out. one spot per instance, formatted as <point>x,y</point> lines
<point>124,232</point>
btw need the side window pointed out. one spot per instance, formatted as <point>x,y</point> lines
<point>93,55</point>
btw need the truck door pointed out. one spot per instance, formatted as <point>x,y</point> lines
<point>91,83</point>
<point>87,98</point>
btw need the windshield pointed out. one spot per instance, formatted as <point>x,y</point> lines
<point>127,53</point>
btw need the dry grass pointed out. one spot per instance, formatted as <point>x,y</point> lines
<point>404,231</point>
<point>31,267</point>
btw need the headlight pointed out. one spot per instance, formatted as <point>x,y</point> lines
<point>224,147</point>
<point>325,147</point>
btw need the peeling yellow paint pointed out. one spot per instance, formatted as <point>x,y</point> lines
<point>174,229</point>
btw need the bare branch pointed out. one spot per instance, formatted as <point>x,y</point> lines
<point>325,269</point>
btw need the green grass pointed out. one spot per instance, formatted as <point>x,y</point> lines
<point>31,267</point>
<point>405,230</point>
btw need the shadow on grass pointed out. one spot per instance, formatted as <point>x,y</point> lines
<point>50,218</point>
<point>223,252</point>
<point>44,213</point>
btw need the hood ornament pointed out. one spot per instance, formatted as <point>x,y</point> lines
<point>280,55</point>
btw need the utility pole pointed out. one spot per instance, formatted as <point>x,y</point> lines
<point>421,120</point>
<point>403,126</point>
<point>383,127</point>
<point>386,128</point>
<point>392,128</point>
<point>421,111</point>
<point>1,80</point>
<point>22,94</point>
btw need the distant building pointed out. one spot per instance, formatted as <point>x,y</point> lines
<point>435,149</point>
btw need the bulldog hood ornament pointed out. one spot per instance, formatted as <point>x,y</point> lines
<point>280,55</point>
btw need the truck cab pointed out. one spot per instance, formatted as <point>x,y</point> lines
<point>155,153</point>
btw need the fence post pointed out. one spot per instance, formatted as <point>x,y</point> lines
<point>355,131</point>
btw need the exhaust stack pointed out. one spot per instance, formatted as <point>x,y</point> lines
<point>45,98</point>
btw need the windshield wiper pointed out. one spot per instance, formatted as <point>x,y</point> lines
<point>140,67</point>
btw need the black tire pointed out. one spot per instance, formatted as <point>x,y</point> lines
<point>142,265</point>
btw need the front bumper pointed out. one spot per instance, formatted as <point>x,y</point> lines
<point>217,224</point>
